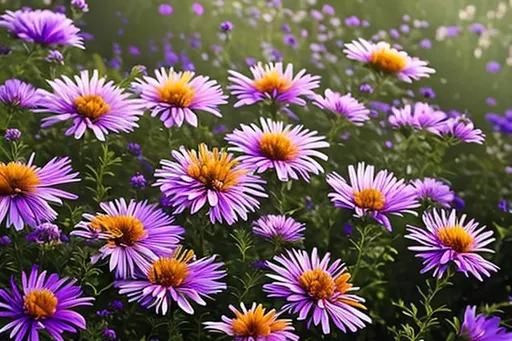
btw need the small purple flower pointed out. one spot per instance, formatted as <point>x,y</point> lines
<point>138,181</point>
<point>19,94</point>
<point>12,135</point>
<point>165,9</point>
<point>328,9</point>
<point>477,28</point>
<point>452,31</point>
<point>104,313</point>
<point>55,56</point>
<point>491,101</point>
<point>110,334</point>
<point>58,9</point>
<point>279,227</point>
<point>134,50</point>
<point>4,50</point>
<point>493,67</point>
<point>80,5</point>
<point>458,203</point>
<point>308,203</point>
<point>286,28</point>
<point>259,264</point>
<point>219,129</point>
<point>198,9</point>
<point>504,205</point>
<point>347,229</point>
<point>394,33</point>
<point>46,233</point>
<point>462,129</point>
<point>290,40</point>
<point>317,15</point>
<point>480,328</point>
<point>226,26</point>
<point>134,148</point>
<point>388,144</point>
<point>117,305</point>
<point>425,44</point>
<point>427,92</point>
<point>404,28</point>
<point>432,190</point>
<point>366,88</point>
<point>352,21</point>
<point>5,240</point>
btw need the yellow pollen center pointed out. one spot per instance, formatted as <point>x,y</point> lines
<point>171,271</point>
<point>92,106</point>
<point>369,198</point>
<point>278,147</point>
<point>318,283</point>
<point>177,91</point>
<point>123,230</point>
<point>272,81</point>
<point>16,178</point>
<point>342,286</point>
<point>215,169</point>
<point>388,60</point>
<point>40,303</point>
<point>455,237</point>
<point>255,323</point>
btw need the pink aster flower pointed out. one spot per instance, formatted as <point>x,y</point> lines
<point>422,117</point>
<point>346,106</point>
<point>434,191</point>
<point>279,227</point>
<point>462,129</point>
<point>18,94</point>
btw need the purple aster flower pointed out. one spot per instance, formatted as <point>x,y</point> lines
<point>54,56</point>
<point>290,40</point>
<point>4,50</point>
<point>477,28</point>
<point>42,27</point>
<point>371,195</point>
<point>380,106</point>
<point>290,150</point>
<point>394,33</point>
<point>165,9</point>
<point>491,101</point>
<point>425,44</point>
<point>404,28</point>
<point>117,305</point>
<point>279,227</point>
<point>328,9</point>
<point>422,117</point>
<point>226,26</point>
<point>134,148</point>
<point>80,5</point>
<point>462,129</point>
<point>366,88</point>
<point>175,96</point>
<point>317,291</point>
<point>346,106</point>
<point>388,144</point>
<point>219,129</point>
<point>133,50</point>
<point>259,264</point>
<point>504,205</point>
<point>433,190</point>
<point>452,31</point>
<point>254,324</point>
<point>427,92</point>
<point>19,94</point>
<point>92,103</point>
<point>493,67</point>
<point>138,181</point>
<point>104,313</point>
<point>271,81</point>
<point>210,177</point>
<point>458,203</point>
<point>57,9</point>
<point>5,240</point>
<point>178,278</point>
<point>47,233</point>
<point>43,303</point>
<point>109,334</point>
<point>447,239</point>
<point>480,328</point>
<point>348,229</point>
<point>383,57</point>
<point>198,8</point>
<point>12,135</point>
<point>134,234</point>
<point>352,21</point>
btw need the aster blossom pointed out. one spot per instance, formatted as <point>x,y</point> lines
<point>433,190</point>
<point>279,227</point>
<point>346,106</point>
<point>316,290</point>
<point>134,234</point>
<point>372,194</point>
<point>462,129</point>
<point>290,150</point>
<point>450,240</point>
<point>47,233</point>
<point>43,303</point>
<point>384,58</point>
<point>19,94</point>
<point>421,116</point>
<point>216,178</point>
<point>274,82</point>
<point>479,328</point>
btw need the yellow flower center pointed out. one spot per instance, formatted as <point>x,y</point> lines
<point>342,286</point>
<point>388,60</point>
<point>214,169</point>
<point>272,81</point>
<point>455,237</point>
<point>92,106</point>
<point>171,271</point>
<point>369,198</point>
<point>16,178</point>
<point>40,303</point>
<point>177,91</point>
<point>277,146</point>
<point>123,230</point>
<point>255,323</point>
<point>318,283</point>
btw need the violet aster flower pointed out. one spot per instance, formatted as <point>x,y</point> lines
<point>316,290</point>
<point>177,278</point>
<point>366,88</point>
<point>428,92</point>
<point>434,191</point>
<point>209,177</point>
<point>479,328</point>
<point>165,9</point>
<point>462,129</point>
<point>138,181</point>
<point>290,150</point>
<point>425,44</point>
<point>346,106</point>
<point>493,67</point>
<point>92,103</point>
<point>134,234</point>
<point>47,233</point>
<point>422,117</point>
<point>43,303</point>
<point>175,96</point>
<point>80,5</point>
<point>477,28</point>
<point>254,324</point>
<point>12,135</point>
<point>226,26</point>
<point>109,334</point>
<point>383,57</point>
<point>279,227</point>
<point>5,240</point>
<point>272,82</point>
<point>373,195</point>
<point>54,56</point>
<point>198,8</point>
<point>42,27</point>
<point>448,239</point>
<point>18,94</point>
<point>27,190</point>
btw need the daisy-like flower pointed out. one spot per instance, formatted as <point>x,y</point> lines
<point>212,177</point>
<point>42,27</point>
<point>289,149</point>
<point>448,240</point>
<point>43,303</point>
<point>462,129</point>
<point>254,324</point>
<point>422,117</point>
<point>373,195</point>
<point>479,328</point>
<point>179,278</point>
<point>346,106</point>
<point>271,82</point>
<point>18,94</point>
<point>279,227</point>
<point>27,190</point>
<point>432,190</point>
<point>384,58</point>
<point>92,103</point>
<point>134,235</point>
<point>47,233</point>
<point>175,96</point>
<point>316,290</point>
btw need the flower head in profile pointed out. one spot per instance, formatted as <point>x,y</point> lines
<point>290,150</point>
<point>450,240</point>
<point>279,227</point>
<point>316,290</point>
<point>133,235</point>
<point>42,27</point>
<point>421,116</point>
<point>272,82</point>
<point>43,303</point>
<point>180,278</point>
<point>433,191</point>
<point>462,129</point>
<point>18,94</point>
<point>373,195</point>
<point>26,191</point>
<point>215,177</point>
<point>254,324</point>
<point>90,103</point>
<point>177,96</point>
<point>480,328</point>
<point>346,106</point>
<point>47,233</point>
<point>382,57</point>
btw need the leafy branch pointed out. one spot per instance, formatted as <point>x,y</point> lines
<point>106,161</point>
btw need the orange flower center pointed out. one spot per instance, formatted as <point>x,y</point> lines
<point>214,169</point>
<point>272,81</point>
<point>318,283</point>
<point>370,198</point>
<point>40,303</point>
<point>342,286</point>
<point>388,60</point>
<point>455,237</point>
<point>171,271</point>
<point>255,323</point>
<point>123,230</point>
<point>16,178</point>
<point>278,146</point>
<point>177,91</point>
<point>92,106</point>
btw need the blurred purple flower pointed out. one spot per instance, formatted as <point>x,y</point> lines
<point>226,26</point>
<point>12,135</point>
<point>352,21</point>
<point>317,15</point>
<point>165,9</point>
<point>366,88</point>
<point>46,233</point>
<point>394,33</point>
<point>134,50</point>
<point>109,334</point>
<point>491,101</point>
<point>138,181</point>
<point>425,44</point>
<point>80,5</point>
<point>54,56</point>
<point>5,240</point>
<point>347,229</point>
<point>477,28</point>
<point>328,9</point>
<point>134,148</point>
<point>388,144</point>
<point>198,9</point>
<point>493,67</point>
<point>427,92</point>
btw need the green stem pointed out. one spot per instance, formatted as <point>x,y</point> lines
<point>360,246</point>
